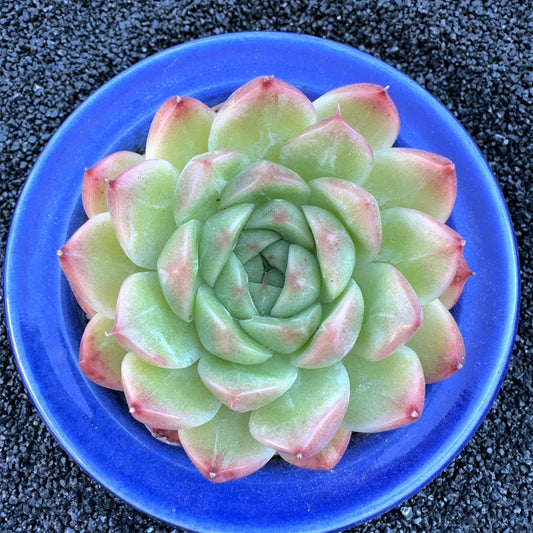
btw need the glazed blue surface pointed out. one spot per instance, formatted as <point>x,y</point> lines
<point>92,424</point>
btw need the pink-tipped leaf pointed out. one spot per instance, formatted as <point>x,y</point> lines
<point>392,312</point>
<point>424,250</point>
<point>335,251</point>
<point>147,326</point>
<point>179,131</point>
<point>223,449</point>
<point>325,459</point>
<point>355,208</point>
<point>265,180</point>
<point>384,394</point>
<point>337,333</point>
<point>166,398</point>
<point>407,177</point>
<point>329,148</point>
<point>259,117</point>
<point>367,107</point>
<point>177,269</point>
<point>97,178</point>
<point>452,293</point>
<point>140,203</point>
<point>95,265</point>
<point>101,355</point>
<point>305,418</point>
<point>200,185</point>
<point>438,343</point>
<point>247,387</point>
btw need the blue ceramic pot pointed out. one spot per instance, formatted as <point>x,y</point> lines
<point>92,424</point>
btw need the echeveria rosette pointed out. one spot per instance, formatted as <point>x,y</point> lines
<point>270,277</point>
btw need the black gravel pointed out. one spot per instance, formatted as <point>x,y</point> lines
<point>475,56</point>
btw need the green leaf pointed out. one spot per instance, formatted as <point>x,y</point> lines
<point>392,311</point>
<point>355,208</point>
<point>338,332</point>
<point>284,218</point>
<point>166,398</point>
<point>221,335</point>
<point>146,325</point>
<point>140,203</point>
<point>219,236</point>
<point>367,107</point>
<point>223,449</point>
<point>95,265</point>
<point>179,131</point>
<point>406,177</point>
<point>263,181</point>
<point>247,387</point>
<point>384,394</point>
<point>260,117</point>
<point>177,269</point>
<point>284,335</point>
<point>302,283</point>
<point>335,251</point>
<point>424,250</point>
<point>199,188</point>
<point>305,418</point>
<point>330,148</point>
<point>438,343</point>
<point>232,289</point>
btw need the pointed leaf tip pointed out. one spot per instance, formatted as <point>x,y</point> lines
<point>259,117</point>
<point>179,131</point>
<point>367,107</point>
<point>96,179</point>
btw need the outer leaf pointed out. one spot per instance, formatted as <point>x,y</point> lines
<point>302,283</point>
<point>177,269</point>
<point>335,251</point>
<point>168,436</point>
<point>367,107</point>
<point>260,117</point>
<point>95,265</point>
<point>146,325</point>
<point>179,131</point>
<point>424,250</point>
<point>202,181</point>
<point>166,398</point>
<point>330,148</point>
<point>219,236</point>
<point>96,179</point>
<point>221,334</point>
<point>384,394</point>
<point>328,457</point>
<point>337,334</point>
<point>450,296</point>
<point>392,311</point>
<point>406,177</point>
<point>223,449</point>
<point>356,208</point>
<point>263,181</point>
<point>305,418</point>
<point>140,203</point>
<point>246,387</point>
<point>100,354</point>
<point>284,335</point>
<point>438,343</point>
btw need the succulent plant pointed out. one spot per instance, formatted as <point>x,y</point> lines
<point>269,277</point>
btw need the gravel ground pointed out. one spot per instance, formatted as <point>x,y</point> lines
<point>475,56</point>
